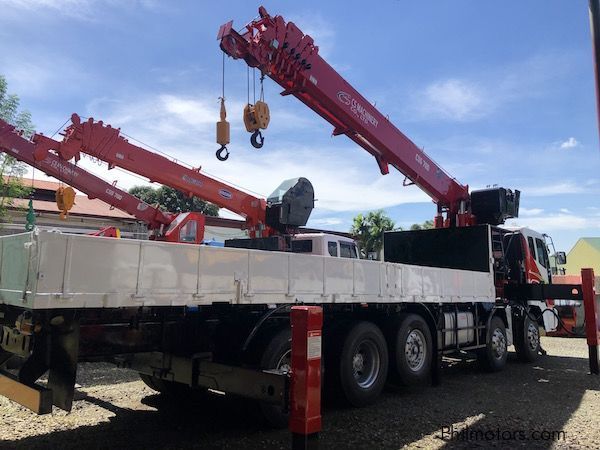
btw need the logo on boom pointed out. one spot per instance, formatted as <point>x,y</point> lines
<point>344,97</point>
<point>225,194</point>
<point>357,109</point>
<point>191,180</point>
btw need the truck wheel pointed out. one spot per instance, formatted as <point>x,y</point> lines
<point>362,364</point>
<point>411,351</point>
<point>493,356</point>
<point>527,339</point>
<point>277,355</point>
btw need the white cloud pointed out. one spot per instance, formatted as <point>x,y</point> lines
<point>340,186</point>
<point>566,187</point>
<point>318,28</point>
<point>474,96</point>
<point>339,181</point>
<point>78,9</point>
<point>326,221</point>
<point>175,124</point>
<point>530,212</point>
<point>183,123</point>
<point>39,77</point>
<point>450,99</point>
<point>569,143</point>
<point>556,222</point>
<point>344,179</point>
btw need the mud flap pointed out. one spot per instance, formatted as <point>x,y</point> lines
<point>55,351</point>
<point>64,351</point>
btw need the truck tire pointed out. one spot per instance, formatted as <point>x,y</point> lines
<point>527,338</point>
<point>361,364</point>
<point>411,351</point>
<point>493,357</point>
<point>277,354</point>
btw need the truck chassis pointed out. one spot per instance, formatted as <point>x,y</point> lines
<point>218,318</point>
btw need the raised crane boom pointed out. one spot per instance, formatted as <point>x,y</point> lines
<point>289,57</point>
<point>165,226</point>
<point>12,143</point>
<point>101,141</point>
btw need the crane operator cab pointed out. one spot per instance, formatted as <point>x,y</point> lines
<point>290,205</point>
<point>288,208</point>
<point>188,227</point>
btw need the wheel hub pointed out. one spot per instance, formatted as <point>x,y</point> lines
<point>533,336</point>
<point>498,343</point>
<point>415,350</point>
<point>366,364</point>
<point>358,362</point>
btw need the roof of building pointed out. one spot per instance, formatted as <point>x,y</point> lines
<point>593,241</point>
<point>87,207</point>
<point>83,207</point>
<point>46,185</point>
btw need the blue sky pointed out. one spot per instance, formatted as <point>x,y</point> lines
<point>496,92</point>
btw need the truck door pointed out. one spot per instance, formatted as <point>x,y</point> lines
<point>536,257</point>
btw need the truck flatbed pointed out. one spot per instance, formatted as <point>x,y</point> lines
<point>47,270</point>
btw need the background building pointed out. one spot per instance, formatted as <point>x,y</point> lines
<point>585,253</point>
<point>90,215</point>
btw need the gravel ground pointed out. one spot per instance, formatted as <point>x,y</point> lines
<point>517,407</point>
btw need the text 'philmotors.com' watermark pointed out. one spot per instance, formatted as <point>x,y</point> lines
<point>471,434</point>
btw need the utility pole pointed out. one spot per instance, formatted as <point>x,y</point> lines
<point>595,30</point>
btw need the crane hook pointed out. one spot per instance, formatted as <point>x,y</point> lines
<point>222,153</point>
<point>256,139</point>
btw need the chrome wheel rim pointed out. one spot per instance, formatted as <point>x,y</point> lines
<point>415,350</point>
<point>366,364</point>
<point>533,336</point>
<point>498,343</point>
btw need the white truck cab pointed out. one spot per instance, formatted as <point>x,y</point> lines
<point>537,261</point>
<point>536,267</point>
<point>325,244</point>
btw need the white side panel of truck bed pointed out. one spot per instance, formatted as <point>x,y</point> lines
<point>53,270</point>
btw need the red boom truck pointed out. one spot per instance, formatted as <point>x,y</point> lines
<point>218,318</point>
<point>184,227</point>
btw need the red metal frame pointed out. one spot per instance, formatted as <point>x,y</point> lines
<point>289,57</point>
<point>166,224</point>
<point>592,323</point>
<point>305,392</point>
<point>106,143</point>
<point>112,232</point>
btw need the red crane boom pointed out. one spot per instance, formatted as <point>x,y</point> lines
<point>15,145</point>
<point>288,207</point>
<point>106,143</point>
<point>289,57</point>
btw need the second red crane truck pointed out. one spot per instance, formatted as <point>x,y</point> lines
<point>183,227</point>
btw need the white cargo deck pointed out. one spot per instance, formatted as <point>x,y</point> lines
<point>52,270</point>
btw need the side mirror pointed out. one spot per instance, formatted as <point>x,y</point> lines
<point>560,258</point>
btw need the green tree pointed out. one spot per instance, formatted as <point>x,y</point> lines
<point>173,200</point>
<point>145,193</point>
<point>11,170</point>
<point>427,225</point>
<point>368,231</point>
